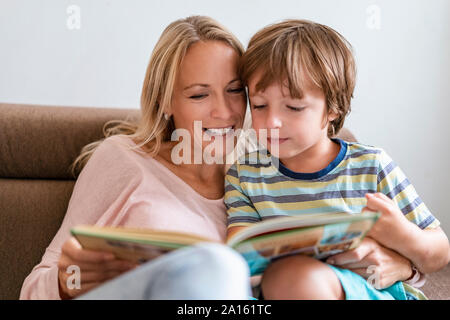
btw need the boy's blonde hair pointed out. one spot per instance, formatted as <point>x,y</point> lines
<point>289,50</point>
<point>153,128</point>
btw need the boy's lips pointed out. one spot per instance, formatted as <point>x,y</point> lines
<point>276,140</point>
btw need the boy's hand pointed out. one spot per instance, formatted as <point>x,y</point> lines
<point>379,265</point>
<point>392,226</point>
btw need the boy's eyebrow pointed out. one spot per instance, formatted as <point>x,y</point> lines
<point>258,93</point>
<point>251,96</point>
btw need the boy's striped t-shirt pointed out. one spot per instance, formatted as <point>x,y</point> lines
<point>259,187</point>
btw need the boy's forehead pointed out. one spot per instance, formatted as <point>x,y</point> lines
<point>282,87</point>
<point>260,81</point>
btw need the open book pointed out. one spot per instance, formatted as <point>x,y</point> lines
<point>316,235</point>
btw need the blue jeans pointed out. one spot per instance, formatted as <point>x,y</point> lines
<point>203,271</point>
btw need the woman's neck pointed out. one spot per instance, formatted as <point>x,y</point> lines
<point>203,172</point>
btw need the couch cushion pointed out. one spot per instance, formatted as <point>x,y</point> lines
<point>31,212</point>
<point>43,141</point>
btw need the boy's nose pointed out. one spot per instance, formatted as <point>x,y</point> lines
<point>273,120</point>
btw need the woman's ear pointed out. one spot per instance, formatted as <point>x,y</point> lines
<point>168,113</point>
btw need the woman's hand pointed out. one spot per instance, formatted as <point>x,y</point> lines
<point>95,268</point>
<point>381,266</point>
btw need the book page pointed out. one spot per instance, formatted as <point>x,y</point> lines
<point>319,242</point>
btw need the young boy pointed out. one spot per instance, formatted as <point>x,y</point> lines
<point>301,76</point>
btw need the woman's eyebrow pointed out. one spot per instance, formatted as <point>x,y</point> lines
<point>197,84</point>
<point>234,80</point>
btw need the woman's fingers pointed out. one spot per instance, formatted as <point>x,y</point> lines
<point>87,277</point>
<point>93,268</point>
<point>73,250</point>
<point>83,289</point>
<point>74,285</point>
<point>92,276</point>
<point>114,265</point>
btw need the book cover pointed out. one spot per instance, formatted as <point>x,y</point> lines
<point>316,235</point>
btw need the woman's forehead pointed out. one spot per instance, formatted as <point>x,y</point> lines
<point>205,65</point>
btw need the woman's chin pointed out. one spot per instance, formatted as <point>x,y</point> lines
<point>217,152</point>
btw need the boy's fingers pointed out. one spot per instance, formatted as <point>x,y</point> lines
<point>382,196</point>
<point>367,209</point>
<point>365,263</point>
<point>354,255</point>
<point>375,203</point>
<point>362,272</point>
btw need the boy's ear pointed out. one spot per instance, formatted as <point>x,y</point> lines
<point>332,116</point>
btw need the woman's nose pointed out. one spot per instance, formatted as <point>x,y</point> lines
<point>221,109</point>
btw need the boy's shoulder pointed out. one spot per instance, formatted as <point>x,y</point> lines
<point>358,148</point>
<point>358,151</point>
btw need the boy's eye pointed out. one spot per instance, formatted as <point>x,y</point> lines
<point>198,96</point>
<point>295,108</point>
<point>259,106</point>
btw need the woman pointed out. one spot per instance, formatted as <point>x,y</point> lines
<point>131,179</point>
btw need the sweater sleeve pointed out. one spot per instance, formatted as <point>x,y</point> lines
<point>100,197</point>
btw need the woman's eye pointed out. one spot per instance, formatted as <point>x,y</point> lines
<point>236,90</point>
<point>198,96</point>
<point>295,108</point>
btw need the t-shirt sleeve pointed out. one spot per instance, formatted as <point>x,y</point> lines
<point>240,210</point>
<point>393,182</point>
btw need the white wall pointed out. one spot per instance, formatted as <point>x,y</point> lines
<point>401,100</point>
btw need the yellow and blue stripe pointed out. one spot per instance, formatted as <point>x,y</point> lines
<point>259,187</point>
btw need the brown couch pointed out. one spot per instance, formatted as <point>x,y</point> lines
<point>37,146</point>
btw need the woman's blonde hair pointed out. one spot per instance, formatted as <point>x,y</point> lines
<point>153,128</point>
<point>288,50</point>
